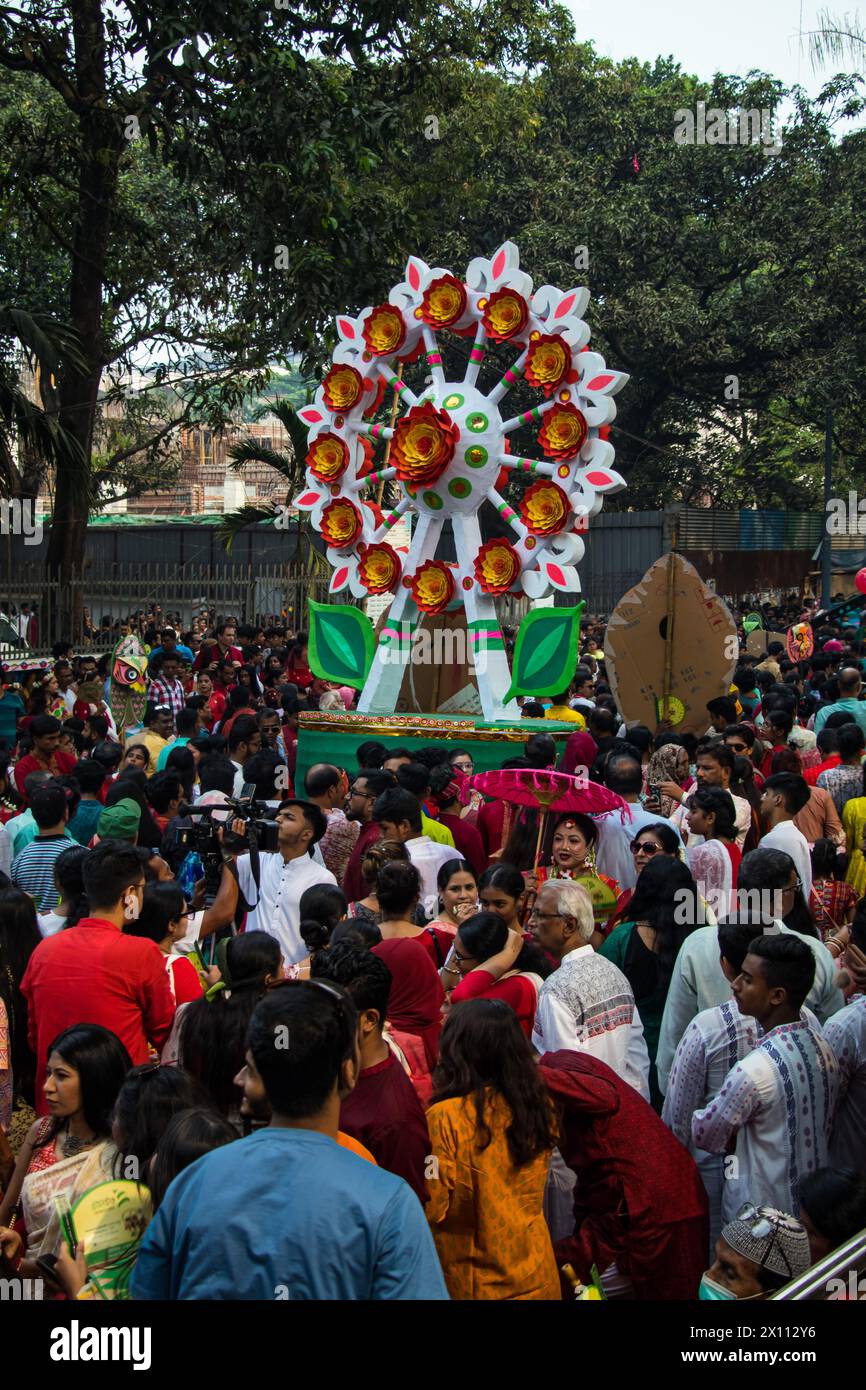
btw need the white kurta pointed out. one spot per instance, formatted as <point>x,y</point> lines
<point>698,983</point>
<point>778,1102</point>
<point>276,908</point>
<point>711,1046</point>
<point>846,1034</point>
<point>588,1005</point>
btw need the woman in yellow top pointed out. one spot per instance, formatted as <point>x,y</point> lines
<point>854,825</point>
<point>492,1134</point>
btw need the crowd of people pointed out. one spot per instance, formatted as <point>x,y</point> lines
<point>358,1031</point>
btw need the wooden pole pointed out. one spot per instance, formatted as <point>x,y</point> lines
<point>542,818</point>
<point>669,626</point>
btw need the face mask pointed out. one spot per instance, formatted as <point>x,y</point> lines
<point>710,1291</point>
<point>131,909</point>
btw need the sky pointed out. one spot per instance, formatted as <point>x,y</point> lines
<point>730,36</point>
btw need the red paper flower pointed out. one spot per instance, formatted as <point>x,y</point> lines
<point>342,523</point>
<point>547,361</point>
<point>423,444</point>
<point>444,302</point>
<point>506,313</point>
<point>379,568</point>
<point>497,565</point>
<point>327,457</point>
<point>563,433</point>
<point>384,330</point>
<point>544,509</point>
<point>433,586</point>
<point>342,387</point>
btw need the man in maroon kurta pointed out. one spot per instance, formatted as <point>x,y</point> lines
<point>95,973</point>
<point>639,1199</point>
<point>383,1111</point>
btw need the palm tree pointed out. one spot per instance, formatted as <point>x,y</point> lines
<point>31,437</point>
<point>837,40</point>
<point>308,563</point>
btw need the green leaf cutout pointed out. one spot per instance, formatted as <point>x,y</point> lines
<point>545,653</point>
<point>341,644</point>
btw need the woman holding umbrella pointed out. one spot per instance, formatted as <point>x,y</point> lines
<point>572,856</point>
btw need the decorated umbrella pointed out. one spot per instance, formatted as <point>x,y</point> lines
<point>549,791</point>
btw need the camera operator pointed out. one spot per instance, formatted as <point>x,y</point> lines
<point>283,876</point>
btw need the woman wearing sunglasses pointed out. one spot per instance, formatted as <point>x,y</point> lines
<point>653,840</point>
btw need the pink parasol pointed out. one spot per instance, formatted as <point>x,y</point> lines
<point>550,791</point>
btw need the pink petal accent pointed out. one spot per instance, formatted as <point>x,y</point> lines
<point>308,499</point>
<point>565,306</point>
<point>346,328</point>
<point>598,383</point>
<point>311,416</point>
<point>340,577</point>
<point>598,479</point>
<point>413,275</point>
<point>499,264</point>
<point>555,574</point>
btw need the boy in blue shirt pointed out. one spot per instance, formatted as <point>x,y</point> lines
<point>287,1213</point>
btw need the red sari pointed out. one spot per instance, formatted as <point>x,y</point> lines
<point>416,994</point>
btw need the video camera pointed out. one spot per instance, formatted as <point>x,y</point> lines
<point>261,836</point>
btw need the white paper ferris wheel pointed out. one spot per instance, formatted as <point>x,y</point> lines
<point>449,453</point>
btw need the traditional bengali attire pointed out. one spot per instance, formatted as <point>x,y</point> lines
<point>639,963</point>
<point>846,1034</point>
<point>639,1202</point>
<point>603,891</point>
<point>778,1102</point>
<point>830,903</point>
<point>712,1044</point>
<point>699,983</point>
<point>854,825</point>
<point>518,988</point>
<point>664,766</point>
<point>712,869</point>
<point>52,1175</point>
<point>486,1214</point>
<point>414,1007</point>
<point>588,1005</point>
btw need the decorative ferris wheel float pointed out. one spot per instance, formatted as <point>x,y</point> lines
<point>450,452</point>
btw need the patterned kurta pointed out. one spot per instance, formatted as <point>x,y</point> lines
<point>588,1005</point>
<point>712,1044</point>
<point>487,1215</point>
<point>846,1034</point>
<point>779,1103</point>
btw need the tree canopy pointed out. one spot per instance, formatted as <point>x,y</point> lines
<point>205,186</point>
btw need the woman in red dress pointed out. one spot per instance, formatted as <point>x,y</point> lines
<point>494,962</point>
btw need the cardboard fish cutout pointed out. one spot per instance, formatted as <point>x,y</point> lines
<point>658,678</point>
<point>128,689</point>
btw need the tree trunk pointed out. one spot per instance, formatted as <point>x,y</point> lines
<point>101,144</point>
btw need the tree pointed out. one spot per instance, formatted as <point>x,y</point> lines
<point>32,437</point>
<point>192,180</point>
<point>727,280</point>
<point>837,40</point>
